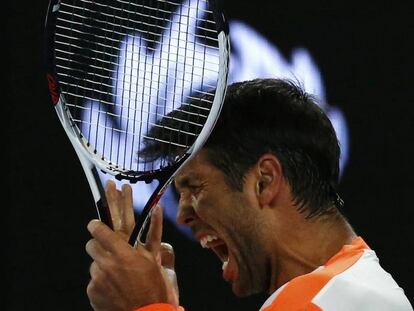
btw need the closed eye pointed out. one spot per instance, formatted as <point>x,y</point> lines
<point>185,184</point>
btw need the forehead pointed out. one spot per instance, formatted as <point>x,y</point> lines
<point>196,168</point>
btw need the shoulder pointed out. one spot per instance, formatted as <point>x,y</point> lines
<point>352,280</point>
<point>365,285</point>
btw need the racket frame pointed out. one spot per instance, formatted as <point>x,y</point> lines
<point>92,162</point>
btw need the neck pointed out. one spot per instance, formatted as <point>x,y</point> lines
<point>301,245</point>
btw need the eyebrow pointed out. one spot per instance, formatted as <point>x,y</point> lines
<point>183,182</point>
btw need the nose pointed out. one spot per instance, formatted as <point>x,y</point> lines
<point>185,213</point>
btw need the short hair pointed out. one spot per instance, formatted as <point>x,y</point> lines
<point>267,116</point>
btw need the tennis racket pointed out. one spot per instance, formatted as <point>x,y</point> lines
<point>117,68</point>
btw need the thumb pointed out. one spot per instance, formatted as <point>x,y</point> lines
<point>167,256</point>
<point>167,261</point>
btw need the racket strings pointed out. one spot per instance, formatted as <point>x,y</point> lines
<point>160,27</point>
<point>172,134</point>
<point>124,66</point>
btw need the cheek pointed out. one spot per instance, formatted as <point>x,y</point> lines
<point>202,204</point>
<point>209,205</point>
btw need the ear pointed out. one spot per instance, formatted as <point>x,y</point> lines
<point>269,175</point>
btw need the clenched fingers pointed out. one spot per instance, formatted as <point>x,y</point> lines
<point>109,240</point>
<point>96,251</point>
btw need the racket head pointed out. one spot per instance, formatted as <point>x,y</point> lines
<point>116,68</point>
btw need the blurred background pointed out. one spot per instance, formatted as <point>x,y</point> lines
<point>358,63</point>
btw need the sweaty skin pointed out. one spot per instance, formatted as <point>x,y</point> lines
<point>259,234</point>
<point>211,208</point>
<point>266,240</point>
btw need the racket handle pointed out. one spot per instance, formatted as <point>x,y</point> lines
<point>104,213</point>
<point>101,203</point>
<point>163,183</point>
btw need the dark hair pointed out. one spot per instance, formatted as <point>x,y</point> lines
<point>269,116</point>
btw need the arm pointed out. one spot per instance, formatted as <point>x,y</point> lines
<point>125,277</point>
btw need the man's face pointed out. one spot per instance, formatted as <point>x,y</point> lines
<point>226,221</point>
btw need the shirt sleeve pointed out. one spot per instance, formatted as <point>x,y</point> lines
<point>159,307</point>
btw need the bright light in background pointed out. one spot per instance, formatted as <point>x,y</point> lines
<point>252,56</point>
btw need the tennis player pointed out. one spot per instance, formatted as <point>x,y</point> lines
<point>261,194</point>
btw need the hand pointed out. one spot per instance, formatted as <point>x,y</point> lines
<point>124,277</point>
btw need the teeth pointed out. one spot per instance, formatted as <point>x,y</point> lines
<point>206,239</point>
<point>225,264</point>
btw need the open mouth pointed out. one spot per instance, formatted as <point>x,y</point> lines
<point>218,246</point>
<point>221,249</point>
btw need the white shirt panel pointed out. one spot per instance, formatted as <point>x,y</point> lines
<point>364,286</point>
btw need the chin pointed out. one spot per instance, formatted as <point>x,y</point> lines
<point>244,291</point>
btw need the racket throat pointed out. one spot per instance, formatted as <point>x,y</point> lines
<point>145,216</point>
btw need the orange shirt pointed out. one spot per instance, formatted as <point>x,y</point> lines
<point>352,280</point>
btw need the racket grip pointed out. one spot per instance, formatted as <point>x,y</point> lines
<point>101,203</point>
<point>104,212</point>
